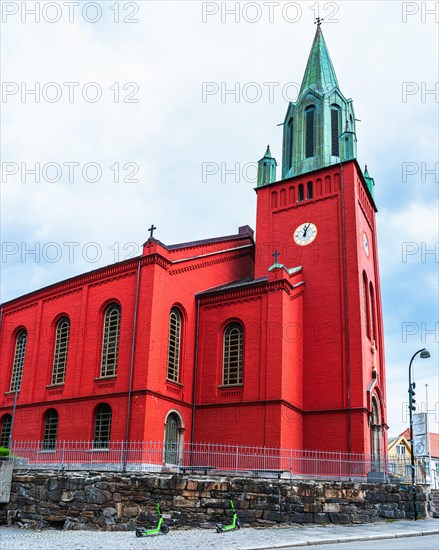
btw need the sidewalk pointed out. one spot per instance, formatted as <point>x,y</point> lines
<point>313,535</point>
<point>202,539</point>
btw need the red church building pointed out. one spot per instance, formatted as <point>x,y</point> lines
<point>275,341</point>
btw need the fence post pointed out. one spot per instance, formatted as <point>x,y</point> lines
<point>237,459</point>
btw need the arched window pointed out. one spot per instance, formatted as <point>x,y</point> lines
<point>310,131</point>
<point>17,367</point>
<point>283,197</point>
<point>233,355</point>
<point>174,341</point>
<point>289,144</point>
<point>292,195</point>
<point>50,430</point>
<point>335,130</point>
<point>365,305</point>
<point>102,430</point>
<point>6,430</point>
<point>309,190</point>
<point>373,323</point>
<point>375,435</point>
<point>110,343</point>
<point>300,193</point>
<point>274,199</point>
<point>61,348</point>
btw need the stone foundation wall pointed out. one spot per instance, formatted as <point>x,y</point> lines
<point>90,500</point>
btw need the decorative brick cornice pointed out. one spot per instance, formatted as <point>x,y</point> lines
<point>208,263</point>
<point>247,291</point>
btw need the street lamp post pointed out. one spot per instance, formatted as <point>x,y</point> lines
<point>424,354</point>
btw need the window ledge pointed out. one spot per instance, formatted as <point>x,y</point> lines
<point>12,392</point>
<point>106,378</point>
<point>172,383</point>
<point>231,386</point>
<point>58,385</point>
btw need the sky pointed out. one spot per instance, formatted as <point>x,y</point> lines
<point>119,115</point>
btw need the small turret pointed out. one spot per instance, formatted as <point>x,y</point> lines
<point>369,181</point>
<point>266,169</point>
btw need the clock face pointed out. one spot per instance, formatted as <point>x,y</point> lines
<point>305,233</point>
<point>366,244</point>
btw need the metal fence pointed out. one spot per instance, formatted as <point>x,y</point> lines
<point>207,458</point>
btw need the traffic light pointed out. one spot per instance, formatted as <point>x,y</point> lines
<point>412,393</point>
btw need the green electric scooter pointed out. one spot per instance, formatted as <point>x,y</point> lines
<point>160,528</point>
<point>220,528</point>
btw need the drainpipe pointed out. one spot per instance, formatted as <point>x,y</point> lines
<point>346,297</point>
<point>194,382</point>
<point>133,349</point>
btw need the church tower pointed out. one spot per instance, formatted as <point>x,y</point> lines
<point>321,216</point>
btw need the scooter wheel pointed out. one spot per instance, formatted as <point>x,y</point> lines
<point>164,529</point>
<point>218,529</point>
<point>139,532</point>
<point>238,525</point>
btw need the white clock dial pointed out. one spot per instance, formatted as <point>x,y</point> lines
<point>305,233</point>
<point>366,244</point>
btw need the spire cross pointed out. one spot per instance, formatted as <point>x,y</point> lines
<point>276,255</point>
<point>318,21</point>
<point>151,230</point>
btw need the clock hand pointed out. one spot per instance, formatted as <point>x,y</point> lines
<point>305,229</point>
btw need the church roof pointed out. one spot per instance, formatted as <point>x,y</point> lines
<point>248,281</point>
<point>319,73</point>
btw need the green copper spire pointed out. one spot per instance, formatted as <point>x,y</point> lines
<point>319,128</point>
<point>319,73</point>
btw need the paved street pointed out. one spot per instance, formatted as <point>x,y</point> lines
<point>244,539</point>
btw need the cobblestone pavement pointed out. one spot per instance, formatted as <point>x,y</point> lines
<point>201,539</point>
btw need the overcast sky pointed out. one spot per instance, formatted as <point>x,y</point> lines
<point>149,121</point>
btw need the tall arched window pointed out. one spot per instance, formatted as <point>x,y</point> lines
<point>50,430</point>
<point>174,341</point>
<point>335,130</point>
<point>17,367</point>
<point>6,430</point>
<point>61,348</point>
<point>373,323</point>
<point>310,113</point>
<point>309,190</point>
<point>110,343</point>
<point>102,429</point>
<point>365,305</point>
<point>233,354</point>
<point>289,145</point>
<point>300,193</point>
<point>375,434</point>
